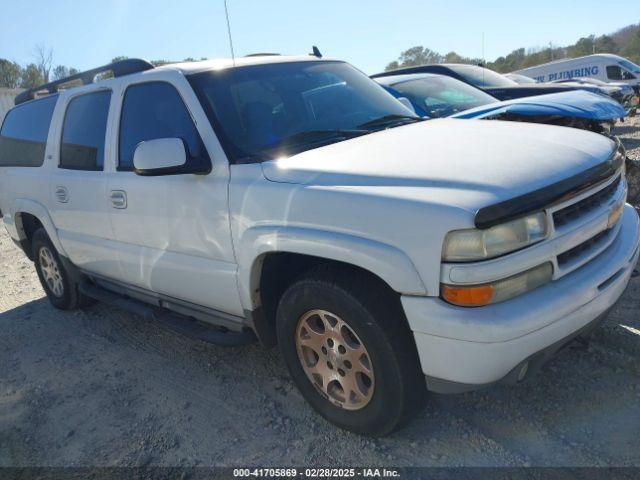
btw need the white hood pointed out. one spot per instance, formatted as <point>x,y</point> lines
<point>499,159</point>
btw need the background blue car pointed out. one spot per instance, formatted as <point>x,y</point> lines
<point>436,96</point>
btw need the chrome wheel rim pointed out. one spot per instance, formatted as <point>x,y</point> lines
<point>334,359</point>
<point>51,272</point>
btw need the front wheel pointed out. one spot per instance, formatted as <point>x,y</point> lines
<point>346,344</point>
<point>56,280</point>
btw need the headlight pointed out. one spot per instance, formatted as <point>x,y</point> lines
<point>474,244</point>
<point>499,291</point>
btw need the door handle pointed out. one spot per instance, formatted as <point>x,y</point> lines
<point>118,199</point>
<point>62,194</point>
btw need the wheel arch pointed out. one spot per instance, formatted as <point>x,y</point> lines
<point>271,257</point>
<point>28,216</point>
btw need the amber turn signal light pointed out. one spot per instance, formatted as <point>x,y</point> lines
<point>498,291</point>
<point>476,296</point>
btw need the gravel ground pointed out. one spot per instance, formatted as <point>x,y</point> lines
<point>105,387</point>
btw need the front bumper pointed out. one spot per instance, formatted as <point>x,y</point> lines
<point>464,349</point>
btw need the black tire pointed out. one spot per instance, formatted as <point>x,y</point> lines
<point>375,315</point>
<point>67,299</point>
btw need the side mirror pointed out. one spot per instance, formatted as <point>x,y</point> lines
<point>163,156</point>
<point>407,103</point>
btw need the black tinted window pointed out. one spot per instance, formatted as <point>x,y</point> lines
<point>156,110</point>
<point>23,137</point>
<point>482,77</point>
<point>614,72</point>
<point>83,133</point>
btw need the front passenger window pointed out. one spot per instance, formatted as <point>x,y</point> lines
<point>155,110</point>
<point>627,76</point>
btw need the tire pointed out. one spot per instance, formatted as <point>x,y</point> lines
<point>367,323</point>
<point>57,281</point>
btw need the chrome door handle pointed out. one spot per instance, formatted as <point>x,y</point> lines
<point>62,194</point>
<point>118,199</point>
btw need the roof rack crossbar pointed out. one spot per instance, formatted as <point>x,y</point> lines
<point>119,69</point>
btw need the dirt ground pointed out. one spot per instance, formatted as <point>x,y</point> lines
<point>105,387</point>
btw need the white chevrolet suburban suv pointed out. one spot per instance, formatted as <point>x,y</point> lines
<point>293,199</point>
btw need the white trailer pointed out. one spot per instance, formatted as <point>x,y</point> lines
<point>603,66</point>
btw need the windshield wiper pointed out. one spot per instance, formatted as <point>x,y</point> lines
<point>313,134</point>
<point>389,120</point>
<point>299,141</point>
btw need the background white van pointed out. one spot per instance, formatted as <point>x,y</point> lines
<point>603,66</point>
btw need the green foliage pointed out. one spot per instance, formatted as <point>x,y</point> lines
<point>632,49</point>
<point>606,44</point>
<point>625,42</point>
<point>416,56</point>
<point>422,56</point>
<point>31,76</point>
<point>10,74</point>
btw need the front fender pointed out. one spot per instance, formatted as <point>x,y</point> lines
<point>24,205</point>
<point>387,262</point>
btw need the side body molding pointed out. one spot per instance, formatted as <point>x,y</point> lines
<point>385,261</point>
<point>24,205</point>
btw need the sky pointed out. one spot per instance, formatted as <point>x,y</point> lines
<point>367,33</point>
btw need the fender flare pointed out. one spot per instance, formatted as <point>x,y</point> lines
<point>24,205</point>
<point>385,261</point>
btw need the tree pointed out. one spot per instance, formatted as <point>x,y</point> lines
<point>632,48</point>
<point>61,72</point>
<point>453,57</point>
<point>392,66</point>
<point>584,46</point>
<point>31,76</point>
<point>44,61</point>
<point>416,56</point>
<point>605,44</point>
<point>10,73</point>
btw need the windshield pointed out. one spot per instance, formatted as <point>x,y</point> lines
<point>270,110</point>
<point>482,77</point>
<point>632,67</point>
<point>441,96</point>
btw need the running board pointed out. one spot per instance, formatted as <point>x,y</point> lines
<point>182,324</point>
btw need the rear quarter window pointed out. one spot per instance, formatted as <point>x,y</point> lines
<point>23,137</point>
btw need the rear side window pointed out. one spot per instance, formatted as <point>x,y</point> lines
<point>614,72</point>
<point>23,138</point>
<point>155,110</point>
<point>83,133</point>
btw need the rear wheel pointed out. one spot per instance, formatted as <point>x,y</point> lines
<point>347,346</point>
<point>55,278</point>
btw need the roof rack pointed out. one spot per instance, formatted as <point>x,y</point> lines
<point>265,54</point>
<point>119,69</point>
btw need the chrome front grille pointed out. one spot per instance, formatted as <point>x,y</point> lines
<point>585,206</point>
